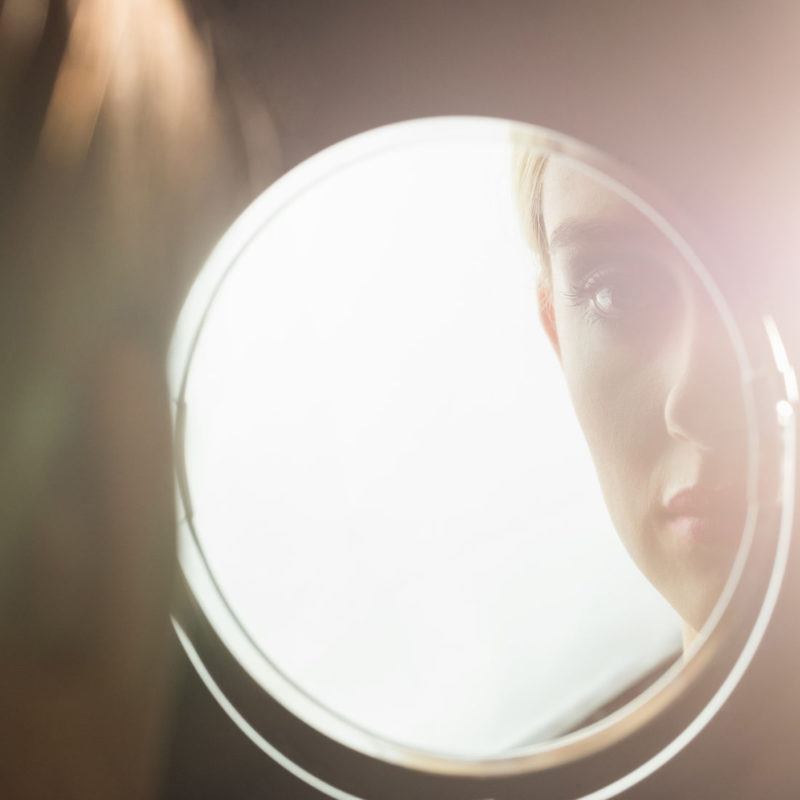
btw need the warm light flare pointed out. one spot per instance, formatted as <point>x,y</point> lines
<point>118,51</point>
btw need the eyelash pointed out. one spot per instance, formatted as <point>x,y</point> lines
<point>582,294</point>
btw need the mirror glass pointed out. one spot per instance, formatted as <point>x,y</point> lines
<point>464,441</point>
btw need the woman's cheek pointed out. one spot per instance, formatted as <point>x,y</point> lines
<point>616,398</point>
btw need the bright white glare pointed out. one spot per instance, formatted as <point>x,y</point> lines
<point>387,476</point>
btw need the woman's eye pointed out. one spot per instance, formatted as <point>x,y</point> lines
<point>605,294</point>
<point>631,296</point>
<point>604,301</point>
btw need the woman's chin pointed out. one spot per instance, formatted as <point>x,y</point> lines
<point>695,598</point>
<point>699,565</point>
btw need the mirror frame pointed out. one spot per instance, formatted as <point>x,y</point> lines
<point>344,761</point>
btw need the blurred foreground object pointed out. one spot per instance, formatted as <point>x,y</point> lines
<point>114,180</point>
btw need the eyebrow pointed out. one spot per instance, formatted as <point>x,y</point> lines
<point>575,231</point>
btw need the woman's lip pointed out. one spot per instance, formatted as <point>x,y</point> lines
<point>687,502</point>
<point>701,513</point>
<point>696,527</point>
<point>696,502</point>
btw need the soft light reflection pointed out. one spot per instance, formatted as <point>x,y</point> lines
<point>386,471</point>
<point>116,50</point>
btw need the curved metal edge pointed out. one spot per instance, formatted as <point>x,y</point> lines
<point>191,319</point>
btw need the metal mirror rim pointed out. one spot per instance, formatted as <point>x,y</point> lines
<point>319,728</point>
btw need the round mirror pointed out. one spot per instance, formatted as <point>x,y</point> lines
<point>472,452</point>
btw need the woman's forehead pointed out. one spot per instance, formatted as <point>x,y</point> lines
<point>578,209</point>
<point>570,193</point>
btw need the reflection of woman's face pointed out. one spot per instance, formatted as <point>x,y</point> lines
<point>655,384</point>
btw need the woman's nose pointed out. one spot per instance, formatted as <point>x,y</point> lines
<point>704,403</point>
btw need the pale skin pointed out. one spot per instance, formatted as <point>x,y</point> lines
<point>655,385</point>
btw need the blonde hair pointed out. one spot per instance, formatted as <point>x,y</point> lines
<point>529,170</point>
